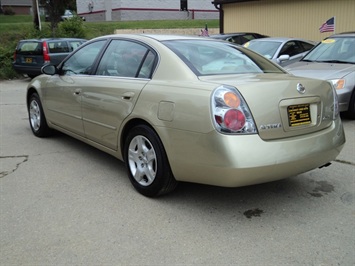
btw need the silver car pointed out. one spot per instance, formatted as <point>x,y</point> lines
<point>238,37</point>
<point>193,109</point>
<point>281,50</point>
<point>333,60</point>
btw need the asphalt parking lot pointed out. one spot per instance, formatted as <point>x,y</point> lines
<point>65,203</point>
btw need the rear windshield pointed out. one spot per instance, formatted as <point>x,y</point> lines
<point>30,48</point>
<point>215,58</point>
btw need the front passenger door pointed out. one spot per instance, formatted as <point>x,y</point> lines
<point>63,92</point>
<point>292,49</point>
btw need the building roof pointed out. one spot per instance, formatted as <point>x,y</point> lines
<point>216,2</point>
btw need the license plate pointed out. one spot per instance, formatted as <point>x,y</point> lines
<point>298,115</point>
<point>28,60</point>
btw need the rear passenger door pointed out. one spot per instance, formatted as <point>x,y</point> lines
<point>125,68</point>
<point>58,50</point>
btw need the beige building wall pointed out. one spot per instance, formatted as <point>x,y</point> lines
<point>289,18</point>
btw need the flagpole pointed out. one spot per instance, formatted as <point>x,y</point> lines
<point>39,16</point>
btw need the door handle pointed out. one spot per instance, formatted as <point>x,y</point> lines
<point>128,95</point>
<point>77,92</point>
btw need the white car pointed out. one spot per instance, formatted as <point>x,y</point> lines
<point>281,50</point>
<point>333,60</point>
<point>68,14</point>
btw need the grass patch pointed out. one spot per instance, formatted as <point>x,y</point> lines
<point>95,29</point>
<point>17,27</point>
<point>15,19</point>
<point>12,24</point>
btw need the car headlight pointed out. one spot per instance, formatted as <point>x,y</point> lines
<point>230,112</point>
<point>338,83</point>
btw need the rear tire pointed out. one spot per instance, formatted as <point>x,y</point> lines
<point>36,116</point>
<point>32,76</point>
<point>147,164</point>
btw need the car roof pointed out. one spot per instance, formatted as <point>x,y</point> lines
<point>233,34</point>
<point>51,39</point>
<point>280,39</point>
<point>157,37</point>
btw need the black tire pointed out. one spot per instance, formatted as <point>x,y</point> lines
<point>32,76</point>
<point>147,164</point>
<point>351,111</point>
<point>36,117</point>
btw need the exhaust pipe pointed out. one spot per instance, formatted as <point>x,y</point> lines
<point>325,165</point>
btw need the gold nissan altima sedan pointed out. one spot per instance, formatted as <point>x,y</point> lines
<point>188,109</point>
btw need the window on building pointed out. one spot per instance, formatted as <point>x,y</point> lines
<point>183,5</point>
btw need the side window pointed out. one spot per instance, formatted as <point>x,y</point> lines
<point>306,46</point>
<point>125,59</point>
<point>58,47</point>
<point>249,37</point>
<point>74,44</point>
<point>291,48</point>
<point>146,70</point>
<point>239,39</point>
<point>82,61</point>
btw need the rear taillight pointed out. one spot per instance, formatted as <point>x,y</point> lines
<point>234,119</point>
<point>14,56</point>
<point>230,112</point>
<point>46,57</point>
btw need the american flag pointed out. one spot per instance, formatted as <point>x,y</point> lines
<point>328,26</point>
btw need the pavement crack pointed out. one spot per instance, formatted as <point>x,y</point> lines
<point>8,165</point>
<point>344,162</point>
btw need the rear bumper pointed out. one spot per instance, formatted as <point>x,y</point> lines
<point>29,70</point>
<point>233,161</point>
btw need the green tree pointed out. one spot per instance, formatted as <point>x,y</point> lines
<point>72,5</point>
<point>72,28</point>
<point>55,9</point>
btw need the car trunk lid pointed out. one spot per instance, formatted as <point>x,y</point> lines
<point>283,105</point>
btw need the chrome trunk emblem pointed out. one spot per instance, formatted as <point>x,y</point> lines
<point>300,88</point>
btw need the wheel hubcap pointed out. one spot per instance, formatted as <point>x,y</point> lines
<point>35,116</point>
<point>142,160</point>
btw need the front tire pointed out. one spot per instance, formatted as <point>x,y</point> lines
<point>37,119</point>
<point>147,164</point>
<point>351,111</point>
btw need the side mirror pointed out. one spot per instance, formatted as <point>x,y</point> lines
<point>49,70</point>
<point>282,58</point>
